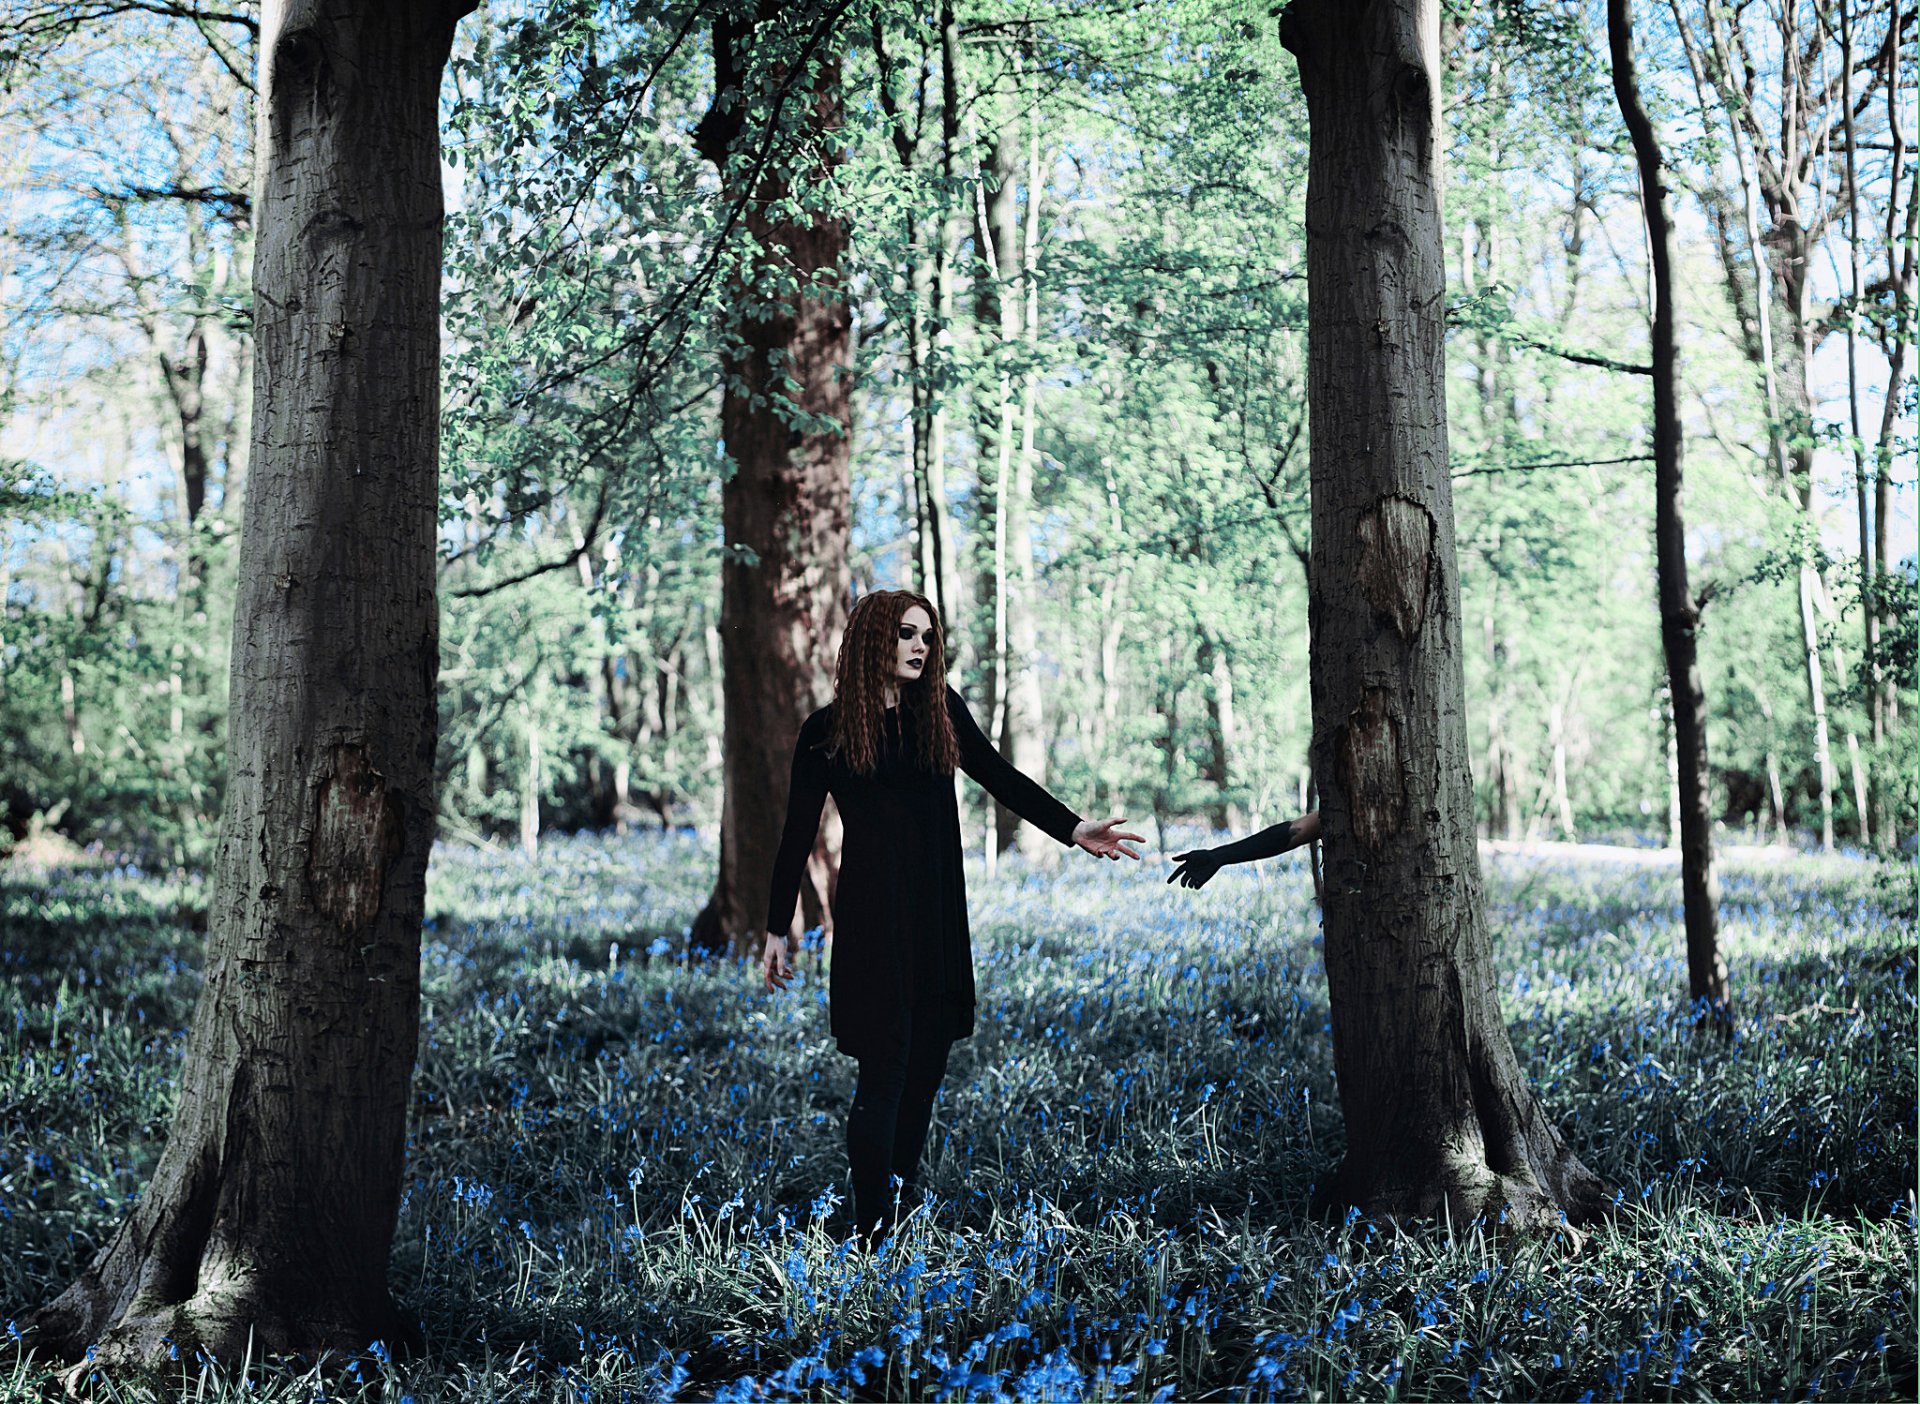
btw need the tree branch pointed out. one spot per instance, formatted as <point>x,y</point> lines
<point>1552,463</point>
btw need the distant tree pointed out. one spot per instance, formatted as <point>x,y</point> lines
<point>1772,67</point>
<point>1439,1115</point>
<point>270,1217</point>
<point>1679,611</point>
<point>124,244</point>
<point>786,422</point>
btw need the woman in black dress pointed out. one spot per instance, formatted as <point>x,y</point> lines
<point>902,976</point>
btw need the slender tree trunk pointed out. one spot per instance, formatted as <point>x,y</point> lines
<point>1793,269</point>
<point>530,782</point>
<point>1776,791</point>
<point>1857,762</point>
<point>999,311</point>
<point>185,378</point>
<point>1023,737</point>
<point>270,1216</point>
<point>1222,813</point>
<point>921,272</point>
<point>1439,1116</point>
<point>1782,257</point>
<point>1679,613</point>
<point>1563,804</point>
<point>787,500</point>
<point>1817,702</point>
<point>949,590</point>
<point>1900,274</point>
<point>1869,604</point>
<point>70,712</point>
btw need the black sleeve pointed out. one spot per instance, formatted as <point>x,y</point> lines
<point>1265,844</point>
<point>999,779</point>
<point>806,793</point>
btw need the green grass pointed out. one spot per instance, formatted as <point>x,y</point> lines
<point>623,1165</point>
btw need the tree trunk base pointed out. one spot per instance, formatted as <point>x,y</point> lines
<point>131,1329</point>
<point>1554,1193</point>
<point>708,935</point>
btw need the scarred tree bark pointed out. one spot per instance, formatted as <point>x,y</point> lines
<point>786,417</point>
<point>1679,613</point>
<point>1439,1116</point>
<point>270,1216</point>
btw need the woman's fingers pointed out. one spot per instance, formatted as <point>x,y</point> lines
<point>778,968</point>
<point>1111,843</point>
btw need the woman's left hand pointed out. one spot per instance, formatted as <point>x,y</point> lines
<point>1102,841</point>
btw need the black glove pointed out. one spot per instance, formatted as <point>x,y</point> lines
<point>1195,868</point>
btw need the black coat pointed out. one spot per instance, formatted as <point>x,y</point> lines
<point>900,907</point>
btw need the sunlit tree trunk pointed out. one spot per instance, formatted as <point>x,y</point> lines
<point>270,1216</point>
<point>1222,813</point>
<point>1439,1116</point>
<point>1679,611</point>
<point>530,783</point>
<point>787,501</point>
<point>1563,803</point>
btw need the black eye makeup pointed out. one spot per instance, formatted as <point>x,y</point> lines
<point>906,634</point>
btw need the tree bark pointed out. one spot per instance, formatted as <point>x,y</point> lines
<point>1439,1115</point>
<point>787,418</point>
<point>1679,613</point>
<point>270,1217</point>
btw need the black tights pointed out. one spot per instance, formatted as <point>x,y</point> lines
<point>887,1125</point>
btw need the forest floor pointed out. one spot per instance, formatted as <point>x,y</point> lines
<point>624,1164</point>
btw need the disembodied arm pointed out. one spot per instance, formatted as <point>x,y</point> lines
<point>1197,867</point>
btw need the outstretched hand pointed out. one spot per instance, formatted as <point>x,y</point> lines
<point>1102,840</point>
<point>1195,868</point>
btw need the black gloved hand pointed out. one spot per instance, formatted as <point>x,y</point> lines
<point>1195,868</point>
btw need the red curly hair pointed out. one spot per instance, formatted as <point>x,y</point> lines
<point>864,672</point>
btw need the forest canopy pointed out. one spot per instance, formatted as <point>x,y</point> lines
<point>1075,274</point>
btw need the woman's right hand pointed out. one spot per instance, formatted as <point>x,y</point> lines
<point>1195,868</point>
<point>776,962</point>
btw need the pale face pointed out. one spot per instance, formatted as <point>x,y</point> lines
<point>913,645</point>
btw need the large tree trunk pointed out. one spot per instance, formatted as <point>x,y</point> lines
<point>1679,613</point>
<point>787,501</point>
<point>1439,1116</point>
<point>270,1216</point>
